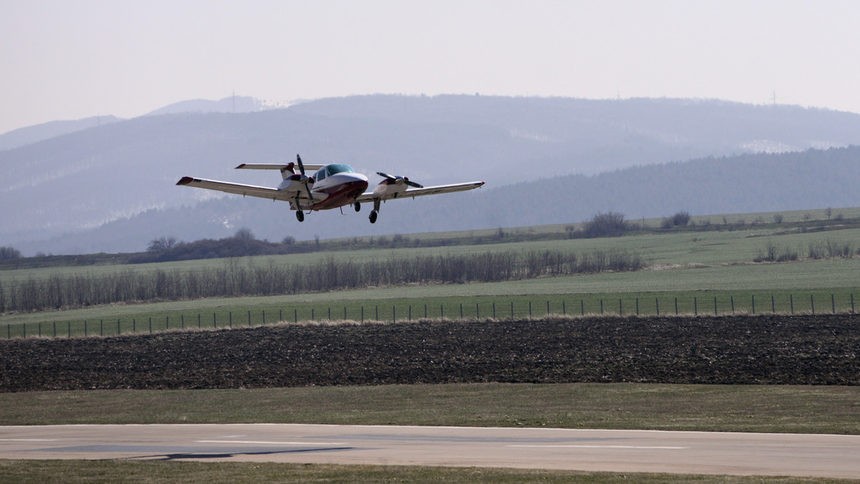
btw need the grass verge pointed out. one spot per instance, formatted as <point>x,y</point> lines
<point>37,471</point>
<point>741,408</point>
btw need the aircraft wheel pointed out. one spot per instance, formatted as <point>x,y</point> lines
<point>300,215</point>
<point>373,215</point>
<point>357,206</point>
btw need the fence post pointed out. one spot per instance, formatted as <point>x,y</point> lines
<point>461,310</point>
<point>772,304</point>
<point>676,305</point>
<point>425,310</point>
<point>85,328</point>
<point>230,318</point>
<point>441,311</point>
<point>167,322</point>
<point>393,313</point>
<point>833,303</point>
<point>530,308</point>
<point>753,303</point>
<point>117,326</point>
<point>182,321</point>
<point>133,325</point>
<point>620,307</point>
<point>329,313</point>
<point>362,313</point>
<point>377,312</point>
<point>695,306</point>
<point>344,313</point>
<point>296,314</point>
<point>313,315</point>
<point>198,320</point>
<point>150,326</point>
<point>852,303</point>
<point>477,311</point>
<point>563,308</point>
<point>512,309</point>
<point>582,306</point>
<point>657,305</point>
<point>732,299</point>
<point>214,321</point>
<point>547,307</point>
<point>637,306</point>
<point>715,305</point>
<point>68,328</point>
<point>494,309</point>
<point>791,303</point>
<point>55,329</point>
<point>601,306</point>
<point>410,313</point>
<point>812,303</point>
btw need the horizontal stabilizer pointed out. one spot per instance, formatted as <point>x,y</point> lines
<point>274,166</point>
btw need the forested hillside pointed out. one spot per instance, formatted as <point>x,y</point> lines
<point>746,183</point>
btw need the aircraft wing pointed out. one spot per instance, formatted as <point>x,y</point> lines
<point>417,192</point>
<point>238,188</point>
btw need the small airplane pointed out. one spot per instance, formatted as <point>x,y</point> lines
<point>331,186</point>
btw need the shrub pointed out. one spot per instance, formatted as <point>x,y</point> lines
<point>609,224</point>
<point>679,219</point>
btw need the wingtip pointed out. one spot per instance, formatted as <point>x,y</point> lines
<point>240,166</point>
<point>185,180</point>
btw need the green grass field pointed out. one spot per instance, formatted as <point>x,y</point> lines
<point>741,408</point>
<point>687,270</point>
<point>246,312</point>
<point>210,472</point>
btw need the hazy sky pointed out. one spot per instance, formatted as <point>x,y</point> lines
<point>67,59</point>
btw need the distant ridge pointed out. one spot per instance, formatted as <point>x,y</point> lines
<point>231,104</point>
<point>52,129</point>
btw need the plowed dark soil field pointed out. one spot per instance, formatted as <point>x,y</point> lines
<point>773,349</point>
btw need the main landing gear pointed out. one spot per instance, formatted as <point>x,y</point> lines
<point>375,212</point>
<point>300,215</point>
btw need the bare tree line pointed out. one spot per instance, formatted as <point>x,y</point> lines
<point>233,279</point>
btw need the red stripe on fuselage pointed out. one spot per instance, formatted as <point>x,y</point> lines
<point>340,194</point>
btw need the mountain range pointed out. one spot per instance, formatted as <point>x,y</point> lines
<point>111,187</point>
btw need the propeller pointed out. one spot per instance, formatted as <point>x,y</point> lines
<point>305,179</point>
<point>301,165</point>
<point>395,179</point>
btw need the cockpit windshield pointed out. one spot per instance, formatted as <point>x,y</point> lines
<point>330,170</point>
<point>337,168</point>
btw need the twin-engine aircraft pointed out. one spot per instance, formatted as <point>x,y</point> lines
<point>331,186</point>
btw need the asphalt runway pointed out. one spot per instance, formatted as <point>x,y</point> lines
<point>586,450</point>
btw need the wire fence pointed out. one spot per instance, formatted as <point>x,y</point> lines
<point>500,308</point>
